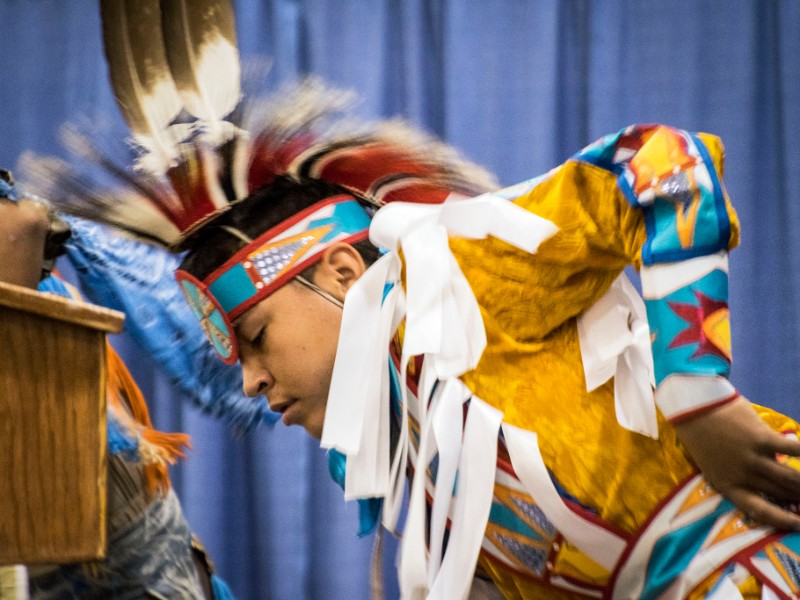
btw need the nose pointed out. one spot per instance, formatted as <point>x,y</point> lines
<point>256,379</point>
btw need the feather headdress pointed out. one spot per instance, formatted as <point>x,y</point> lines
<point>299,131</point>
<point>202,149</point>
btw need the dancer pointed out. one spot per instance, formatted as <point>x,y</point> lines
<point>487,343</point>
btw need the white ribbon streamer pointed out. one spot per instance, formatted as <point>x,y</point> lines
<point>475,461</point>
<point>473,502</point>
<point>443,323</point>
<point>357,413</point>
<point>480,217</point>
<point>428,273</point>
<point>615,342</point>
<point>412,568</point>
<point>447,418</point>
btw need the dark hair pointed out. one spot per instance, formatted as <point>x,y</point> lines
<point>263,209</point>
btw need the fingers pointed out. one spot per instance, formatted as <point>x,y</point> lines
<point>762,511</point>
<point>774,491</point>
<point>782,444</point>
<point>777,480</point>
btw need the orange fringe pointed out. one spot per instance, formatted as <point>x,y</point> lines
<point>156,449</point>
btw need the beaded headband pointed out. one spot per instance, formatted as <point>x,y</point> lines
<point>267,263</point>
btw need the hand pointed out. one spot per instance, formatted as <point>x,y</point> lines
<point>23,229</point>
<point>736,451</point>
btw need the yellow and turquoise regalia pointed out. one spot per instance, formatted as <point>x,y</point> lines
<point>651,197</point>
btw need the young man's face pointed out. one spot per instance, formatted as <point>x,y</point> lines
<point>287,343</point>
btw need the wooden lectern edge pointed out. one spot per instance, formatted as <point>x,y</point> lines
<point>61,308</point>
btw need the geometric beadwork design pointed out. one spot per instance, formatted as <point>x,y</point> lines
<point>265,264</point>
<point>270,263</point>
<point>519,530</point>
<point>787,562</point>
<point>535,515</point>
<point>534,559</point>
<point>212,320</point>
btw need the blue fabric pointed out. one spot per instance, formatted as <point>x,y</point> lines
<point>518,87</point>
<point>673,552</point>
<point>369,509</point>
<point>54,286</point>
<point>220,589</point>
<point>121,444</point>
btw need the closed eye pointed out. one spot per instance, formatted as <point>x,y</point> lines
<point>259,338</point>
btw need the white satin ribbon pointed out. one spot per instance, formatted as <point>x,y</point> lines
<point>443,317</point>
<point>413,565</point>
<point>447,418</point>
<point>662,279</point>
<point>727,590</point>
<point>475,461</point>
<point>443,322</point>
<point>615,342</point>
<point>357,413</point>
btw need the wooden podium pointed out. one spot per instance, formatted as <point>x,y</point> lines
<point>52,427</point>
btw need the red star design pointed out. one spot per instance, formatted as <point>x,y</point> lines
<point>695,316</point>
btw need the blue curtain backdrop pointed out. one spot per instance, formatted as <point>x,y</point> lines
<point>518,85</point>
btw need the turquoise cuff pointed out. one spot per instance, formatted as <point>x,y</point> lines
<point>690,329</point>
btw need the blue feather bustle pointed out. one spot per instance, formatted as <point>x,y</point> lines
<point>138,279</point>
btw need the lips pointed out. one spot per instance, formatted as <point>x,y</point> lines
<point>282,407</point>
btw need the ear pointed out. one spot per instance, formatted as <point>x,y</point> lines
<point>339,268</point>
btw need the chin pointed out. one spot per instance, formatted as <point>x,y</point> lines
<point>314,428</point>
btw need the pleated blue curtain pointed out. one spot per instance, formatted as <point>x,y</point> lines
<point>518,86</point>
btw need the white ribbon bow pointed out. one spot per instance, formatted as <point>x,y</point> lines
<point>615,342</point>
